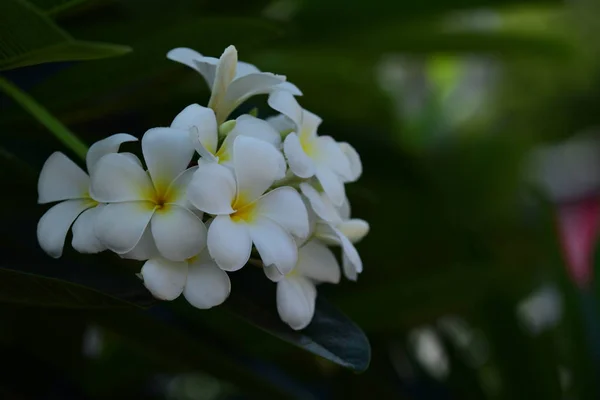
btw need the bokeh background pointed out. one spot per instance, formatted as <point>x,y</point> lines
<point>477,123</point>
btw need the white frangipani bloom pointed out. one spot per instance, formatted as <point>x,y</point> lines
<point>202,282</point>
<point>309,154</point>
<point>335,227</point>
<point>244,214</point>
<point>296,291</point>
<point>202,124</point>
<point>62,180</point>
<point>231,82</point>
<point>149,206</point>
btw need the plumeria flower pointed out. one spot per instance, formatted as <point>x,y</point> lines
<point>202,124</point>
<point>231,82</point>
<point>62,180</point>
<point>149,206</point>
<point>335,227</point>
<point>311,155</point>
<point>202,282</point>
<point>244,213</point>
<point>296,290</point>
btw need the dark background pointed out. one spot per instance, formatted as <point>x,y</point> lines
<point>465,293</point>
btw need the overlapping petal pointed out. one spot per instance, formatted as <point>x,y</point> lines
<point>61,179</point>
<point>52,228</point>
<point>300,163</point>
<point>167,152</point>
<point>205,123</point>
<point>120,225</point>
<point>212,189</point>
<point>285,206</point>
<point>354,161</point>
<point>116,178</point>
<point>285,103</point>
<point>165,279</point>
<point>84,232</point>
<point>257,164</point>
<point>178,233</point>
<point>105,146</point>
<point>317,262</point>
<point>354,229</point>
<point>229,244</point>
<point>275,246</point>
<point>296,301</point>
<point>207,285</point>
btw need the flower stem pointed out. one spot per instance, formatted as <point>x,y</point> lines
<point>61,132</point>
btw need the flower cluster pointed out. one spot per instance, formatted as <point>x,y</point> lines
<point>265,192</point>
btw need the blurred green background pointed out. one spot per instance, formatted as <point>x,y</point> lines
<point>465,293</point>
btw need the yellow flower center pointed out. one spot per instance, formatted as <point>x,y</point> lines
<point>244,211</point>
<point>308,143</point>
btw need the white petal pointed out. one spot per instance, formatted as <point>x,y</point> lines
<point>354,229</point>
<point>248,125</point>
<point>212,189</point>
<point>145,249</point>
<point>317,262</point>
<point>121,225</point>
<point>257,165</point>
<point>344,209</point>
<point>320,204</point>
<point>354,161</point>
<point>296,302</point>
<point>55,223</point>
<point>167,152</point>
<point>284,102</point>
<point>207,285</point>
<point>229,243</point>
<point>353,261</point>
<point>117,178</point>
<point>224,75</point>
<point>275,246</point>
<point>205,123</point>
<point>290,87</point>
<point>177,192</point>
<point>310,123</point>
<point>84,232</point>
<point>105,146</point>
<point>273,273</point>
<point>163,278</point>
<point>241,89</point>
<point>132,157</point>
<point>332,185</point>
<point>281,123</point>
<point>332,157</point>
<point>61,179</point>
<point>244,68</point>
<point>285,206</point>
<point>300,163</point>
<point>349,268</point>
<point>178,233</point>
<point>185,56</point>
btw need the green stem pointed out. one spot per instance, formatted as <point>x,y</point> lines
<point>61,132</point>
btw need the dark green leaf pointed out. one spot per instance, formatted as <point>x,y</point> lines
<point>28,37</point>
<point>330,334</point>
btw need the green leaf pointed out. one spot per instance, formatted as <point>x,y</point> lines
<point>330,335</point>
<point>28,37</point>
<point>61,132</point>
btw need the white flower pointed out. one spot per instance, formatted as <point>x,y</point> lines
<point>202,282</point>
<point>244,215</point>
<point>62,180</point>
<point>311,155</point>
<point>296,291</point>
<point>152,202</point>
<point>202,124</point>
<point>335,227</point>
<point>231,82</point>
